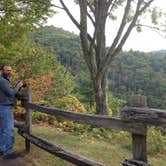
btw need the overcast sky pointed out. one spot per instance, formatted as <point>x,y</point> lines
<point>147,40</point>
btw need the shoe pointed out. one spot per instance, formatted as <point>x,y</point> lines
<point>10,156</point>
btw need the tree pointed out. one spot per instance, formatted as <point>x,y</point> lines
<point>34,64</point>
<point>98,57</point>
<point>20,16</point>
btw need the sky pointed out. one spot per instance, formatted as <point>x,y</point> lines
<point>147,40</point>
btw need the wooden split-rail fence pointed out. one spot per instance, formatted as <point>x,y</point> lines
<point>134,119</point>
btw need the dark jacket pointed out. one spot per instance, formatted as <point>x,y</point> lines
<point>7,94</point>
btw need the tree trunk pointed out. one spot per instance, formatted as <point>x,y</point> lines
<point>101,98</point>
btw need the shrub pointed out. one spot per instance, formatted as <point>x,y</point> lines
<point>70,103</point>
<point>156,141</point>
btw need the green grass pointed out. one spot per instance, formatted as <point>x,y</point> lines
<point>110,152</point>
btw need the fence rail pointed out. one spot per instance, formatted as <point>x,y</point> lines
<point>59,151</point>
<point>97,120</point>
<point>131,119</point>
<point>146,116</point>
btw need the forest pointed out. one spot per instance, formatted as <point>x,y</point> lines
<point>132,72</point>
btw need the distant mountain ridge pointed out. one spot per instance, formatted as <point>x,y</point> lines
<point>159,52</point>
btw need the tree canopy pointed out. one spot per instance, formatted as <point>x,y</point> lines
<point>20,16</point>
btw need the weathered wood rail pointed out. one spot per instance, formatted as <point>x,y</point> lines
<point>132,119</point>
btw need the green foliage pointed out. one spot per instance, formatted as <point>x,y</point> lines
<point>84,90</point>
<point>140,73</point>
<point>19,113</point>
<point>67,103</point>
<point>115,104</point>
<point>63,82</point>
<point>70,103</point>
<point>33,62</point>
<point>156,141</point>
<point>38,59</point>
<point>155,14</point>
<point>42,118</point>
<point>63,44</point>
<point>19,16</point>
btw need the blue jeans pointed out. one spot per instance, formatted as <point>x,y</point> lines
<point>6,129</point>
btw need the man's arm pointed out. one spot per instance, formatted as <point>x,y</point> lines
<point>5,87</point>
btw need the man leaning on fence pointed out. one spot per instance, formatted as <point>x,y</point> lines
<point>7,101</point>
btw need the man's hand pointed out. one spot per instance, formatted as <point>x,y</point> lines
<point>19,84</point>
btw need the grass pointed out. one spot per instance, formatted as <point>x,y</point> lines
<point>110,152</point>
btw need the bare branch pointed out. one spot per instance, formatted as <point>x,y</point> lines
<point>91,10</point>
<point>108,58</point>
<point>133,23</point>
<point>147,4</point>
<point>90,7</point>
<point>121,28</point>
<point>69,14</point>
<point>155,29</point>
<point>115,52</point>
<point>92,20</point>
<point>85,37</point>
<point>148,26</point>
<point>113,5</point>
<point>72,18</point>
<point>88,43</point>
<point>52,5</point>
<point>109,3</point>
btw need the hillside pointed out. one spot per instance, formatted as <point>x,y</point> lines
<point>65,45</point>
<point>140,73</point>
<point>132,72</point>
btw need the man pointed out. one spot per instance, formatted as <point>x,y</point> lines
<point>7,101</point>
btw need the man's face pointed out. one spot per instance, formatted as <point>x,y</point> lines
<point>6,71</point>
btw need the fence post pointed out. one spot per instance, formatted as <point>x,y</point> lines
<point>139,141</point>
<point>139,145</point>
<point>26,96</point>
